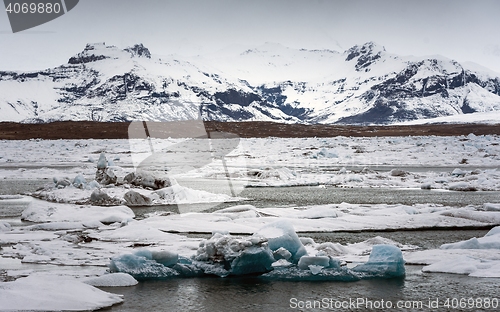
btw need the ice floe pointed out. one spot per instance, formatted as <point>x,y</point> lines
<point>53,293</point>
<point>477,257</point>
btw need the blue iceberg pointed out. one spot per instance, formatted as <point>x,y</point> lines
<point>281,234</point>
<point>140,267</point>
<point>385,261</point>
<point>274,252</point>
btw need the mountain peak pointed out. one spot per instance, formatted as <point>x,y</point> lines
<point>365,49</point>
<point>139,50</point>
<point>366,54</point>
<point>93,52</point>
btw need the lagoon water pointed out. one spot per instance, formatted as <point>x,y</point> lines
<point>258,294</point>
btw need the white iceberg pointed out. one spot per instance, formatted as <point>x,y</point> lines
<point>53,293</point>
<point>112,280</point>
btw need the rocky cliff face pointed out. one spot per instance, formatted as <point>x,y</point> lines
<point>364,84</point>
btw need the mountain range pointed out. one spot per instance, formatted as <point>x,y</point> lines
<point>362,85</point>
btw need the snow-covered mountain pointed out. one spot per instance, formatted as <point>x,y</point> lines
<point>365,84</point>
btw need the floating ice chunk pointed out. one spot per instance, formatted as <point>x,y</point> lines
<point>427,186</point>
<point>62,183</point>
<point>472,243</point>
<point>99,197</point>
<point>42,211</point>
<point>165,257</point>
<point>140,267</point>
<point>253,260</point>
<point>134,198</point>
<point>327,153</point>
<point>491,207</point>
<point>492,270</point>
<point>493,231</point>
<point>398,173</point>
<point>112,280</point>
<point>461,186</point>
<point>354,178</point>
<point>92,185</point>
<point>36,259</point>
<point>457,265</point>
<point>315,269</point>
<point>490,241</point>
<point>281,263</point>
<point>458,172</point>
<point>306,261</point>
<point>106,176</point>
<point>332,249</point>
<point>240,256</point>
<point>79,181</point>
<point>477,263</point>
<point>384,261</point>
<point>60,226</point>
<point>147,179</point>
<point>280,174</point>
<point>102,162</point>
<point>53,293</point>
<point>282,234</point>
<point>282,253</point>
<point>177,194</point>
<point>239,212</point>
<point>318,212</point>
<point>307,241</point>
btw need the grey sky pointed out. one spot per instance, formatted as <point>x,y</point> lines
<point>462,30</point>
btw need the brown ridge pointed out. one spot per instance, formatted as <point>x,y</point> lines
<point>259,129</point>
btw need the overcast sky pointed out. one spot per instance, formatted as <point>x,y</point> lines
<point>462,30</point>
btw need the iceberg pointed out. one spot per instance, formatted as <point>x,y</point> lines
<point>102,163</point>
<point>384,261</point>
<point>281,234</point>
<point>274,252</point>
<point>79,181</point>
<point>238,256</point>
<point>306,261</point>
<point>112,280</point>
<point>53,293</point>
<point>253,260</point>
<point>140,267</point>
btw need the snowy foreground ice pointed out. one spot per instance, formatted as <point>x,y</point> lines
<point>108,247</point>
<point>80,231</point>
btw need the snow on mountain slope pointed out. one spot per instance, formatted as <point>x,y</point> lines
<point>362,85</point>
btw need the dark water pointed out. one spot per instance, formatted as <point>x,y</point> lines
<point>263,197</point>
<point>12,187</point>
<point>256,294</point>
<point>310,195</point>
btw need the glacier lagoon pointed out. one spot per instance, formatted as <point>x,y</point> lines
<point>312,208</point>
